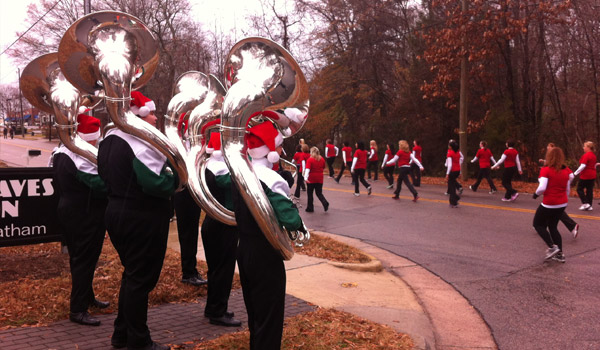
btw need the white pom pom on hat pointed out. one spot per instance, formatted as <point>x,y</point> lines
<point>263,140</point>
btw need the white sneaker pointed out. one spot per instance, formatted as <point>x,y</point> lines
<point>356,194</point>
<point>505,199</point>
<point>585,206</point>
<point>390,186</point>
<point>552,251</point>
<point>575,231</point>
<point>590,208</point>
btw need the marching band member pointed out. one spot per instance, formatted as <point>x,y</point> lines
<point>415,173</point>
<point>388,169</point>
<point>330,153</point>
<point>81,209</point>
<point>313,174</point>
<point>140,184</point>
<point>359,165</point>
<point>220,241</point>
<point>511,166</point>
<point>555,184</point>
<point>347,160</point>
<point>587,176</point>
<point>261,267</point>
<point>453,158</point>
<point>188,218</point>
<point>485,157</point>
<point>404,157</point>
<point>372,161</point>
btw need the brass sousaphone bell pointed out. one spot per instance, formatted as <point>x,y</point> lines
<point>261,76</point>
<point>45,87</point>
<point>117,53</point>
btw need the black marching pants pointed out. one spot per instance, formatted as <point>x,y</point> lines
<point>453,187</point>
<point>220,248</point>
<point>585,191</point>
<point>388,173</point>
<point>507,177</point>
<point>84,235</point>
<point>263,278</point>
<point>545,223</point>
<point>403,177</point>
<point>299,184</point>
<point>330,161</point>
<point>318,188</point>
<point>484,173</point>
<point>359,175</point>
<point>140,238</point>
<point>372,164</point>
<point>188,220</point>
<point>415,174</point>
<point>344,166</point>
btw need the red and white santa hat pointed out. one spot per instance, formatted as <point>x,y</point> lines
<point>262,141</point>
<point>83,110</point>
<point>141,105</point>
<point>88,127</point>
<point>214,144</point>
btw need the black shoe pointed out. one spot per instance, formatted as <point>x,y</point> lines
<point>326,206</point>
<point>100,304</point>
<point>194,281</point>
<point>228,314</point>
<point>118,343</point>
<point>309,210</point>
<point>225,321</point>
<point>84,318</point>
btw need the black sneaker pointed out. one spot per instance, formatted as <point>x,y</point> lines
<point>560,257</point>
<point>194,281</point>
<point>369,190</point>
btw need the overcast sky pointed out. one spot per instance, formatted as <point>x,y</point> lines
<point>13,13</point>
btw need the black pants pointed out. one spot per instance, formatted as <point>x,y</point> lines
<point>415,174</point>
<point>585,191</point>
<point>318,188</point>
<point>567,221</point>
<point>344,166</point>
<point>330,161</point>
<point>299,184</point>
<point>388,173</point>
<point>359,175</point>
<point>188,220</point>
<point>484,173</point>
<point>372,164</point>
<point>220,248</point>
<point>140,238</point>
<point>84,232</point>
<point>262,274</point>
<point>403,177</point>
<point>453,187</point>
<point>507,177</point>
<point>545,223</point>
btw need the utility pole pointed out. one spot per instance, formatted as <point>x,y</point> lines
<point>87,7</point>
<point>462,128</point>
<point>21,106</point>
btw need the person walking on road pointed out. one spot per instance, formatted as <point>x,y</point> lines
<point>512,164</point>
<point>347,160</point>
<point>330,153</point>
<point>415,171</point>
<point>372,161</point>
<point>404,157</point>
<point>358,168</point>
<point>299,161</point>
<point>554,184</point>
<point>452,172</point>
<point>587,176</point>
<point>5,132</point>
<point>486,159</point>
<point>313,174</point>
<point>388,169</point>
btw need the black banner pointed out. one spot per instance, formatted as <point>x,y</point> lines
<point>28,203</point>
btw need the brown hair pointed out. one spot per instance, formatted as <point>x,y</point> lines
<point>305,148</point>
<point>403,145</point>
<point>314,152</point>
<point>555,158</point>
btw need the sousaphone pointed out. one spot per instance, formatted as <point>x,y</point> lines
<point>261,76</point>
<point>45,87</point>
<point>117,53</point>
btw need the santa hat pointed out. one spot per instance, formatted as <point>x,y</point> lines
<point>83,110</point>
<point>262,141</point>
<point>210,124</point>
<point>214,144</point>
<point>141,105</point>
<point>88,127</point>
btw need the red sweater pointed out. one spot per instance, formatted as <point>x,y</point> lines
<point>511,158</point>
<point>403,158</point>
<point>348,151</point>
<point>556,190</point>
<point>589,173</point>
<point>455,156</point>
<point>361,159</point>
<point>417,150</point>
<point>484,155</point>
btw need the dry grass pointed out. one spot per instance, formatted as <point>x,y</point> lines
<point>36,283</point>
<point>330,249</point>
<point>323,329</point>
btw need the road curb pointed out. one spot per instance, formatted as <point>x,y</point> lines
<point>372,266</point>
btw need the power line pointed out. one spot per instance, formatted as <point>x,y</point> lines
<point>33,25</point>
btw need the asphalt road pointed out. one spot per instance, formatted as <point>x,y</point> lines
<point>488,250</point>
